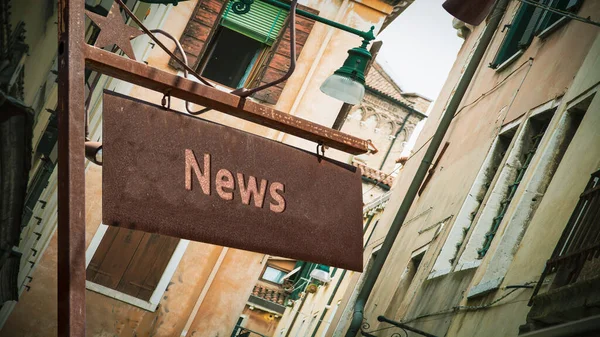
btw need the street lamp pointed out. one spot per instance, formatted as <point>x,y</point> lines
<point>348,82</point>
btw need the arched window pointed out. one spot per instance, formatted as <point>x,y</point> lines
<point>387,129</point>
<point>356,115</point>
<point>371,121</point>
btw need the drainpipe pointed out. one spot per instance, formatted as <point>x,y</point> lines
<point>387,153</point>
<point>463,84</point>
<point>333,293</point>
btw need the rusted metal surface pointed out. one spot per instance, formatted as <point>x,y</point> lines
<point>71,175</point>
<point>152,78</point>
<point>160,44</point>
<point>170,173</point>
<point>113,30</point>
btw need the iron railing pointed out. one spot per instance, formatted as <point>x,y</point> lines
<point>239,331</point>
<point>580,240</point>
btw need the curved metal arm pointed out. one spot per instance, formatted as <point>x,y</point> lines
<point>185,71</point>
<point>404,326</point>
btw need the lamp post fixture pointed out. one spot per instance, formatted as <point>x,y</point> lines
<point>348,82</point>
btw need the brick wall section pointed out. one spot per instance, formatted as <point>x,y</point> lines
<point>279,60</point>
<point>199,30</point>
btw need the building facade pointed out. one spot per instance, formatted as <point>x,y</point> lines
<point>388,117</point>
<point>504,218</point>
<point>294,303</point>
<point>142,284</point>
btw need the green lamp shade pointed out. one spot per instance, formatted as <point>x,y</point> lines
<point>321,273</point>
<point>343,88</point>
<point>348,83</point>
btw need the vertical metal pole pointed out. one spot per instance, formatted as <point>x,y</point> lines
<point>71,174</point>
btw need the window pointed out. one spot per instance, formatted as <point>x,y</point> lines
<point>405,281</point>
<point>251,34</point>
<point>500,195</point>
<point>214,32</point>
<point>549,21</point>
<point>531,195</point>
<point>530,20</point>
<point>273,275</point>
<point>129,262</point>
<point>578,237</point>
<point>519,34</point>
<point>531,143</point>
<point>232,69</point>
<point>473,201</point>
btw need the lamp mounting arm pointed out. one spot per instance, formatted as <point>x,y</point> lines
<point>243,6</point>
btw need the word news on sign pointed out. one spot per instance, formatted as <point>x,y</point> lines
<point>225,184</point>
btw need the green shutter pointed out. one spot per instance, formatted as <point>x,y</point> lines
<point>510,45</point>
<point>262,23</point>
<point>527,37</point>
<point>573,5</point>
<point>549,18</point>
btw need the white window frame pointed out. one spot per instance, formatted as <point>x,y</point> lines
<point>525,206</point>
<point>464,220</point>
<point>469,258</point>
<point>161,287</point>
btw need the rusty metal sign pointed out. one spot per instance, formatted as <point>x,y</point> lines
<point>170,173</point>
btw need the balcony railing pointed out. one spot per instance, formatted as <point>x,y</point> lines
<point>580,240</point>
<point>238,331</point>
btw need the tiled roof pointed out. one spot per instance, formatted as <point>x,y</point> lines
<point>371,173</point>
<point>378,80</point>
<point>270,294</point>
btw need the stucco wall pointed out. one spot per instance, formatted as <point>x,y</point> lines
<point>471,135</point>
<point>211,309</point>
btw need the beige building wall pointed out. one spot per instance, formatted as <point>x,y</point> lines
<point>496,101</point>
<point>209,285</point>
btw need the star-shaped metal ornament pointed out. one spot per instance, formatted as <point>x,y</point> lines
<point>113,30</point>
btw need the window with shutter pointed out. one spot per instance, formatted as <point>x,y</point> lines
<point>550,21</point>
<point>518,36</point>
<point>131,262</point>
<point>279,58</point>
<point>529,21</point>
<point>260,39</point>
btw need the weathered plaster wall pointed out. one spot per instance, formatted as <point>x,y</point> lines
<point>380,120</point>
<point>226,297</point>
<point>261,321</point>
<point>471,135</point>
<point>552,215</point>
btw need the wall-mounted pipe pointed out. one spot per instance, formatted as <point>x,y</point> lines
<point>387,153</point>
<point>436,141</point>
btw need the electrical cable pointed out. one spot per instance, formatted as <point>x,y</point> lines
<point>477,100</point>
<point>469,307</point>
